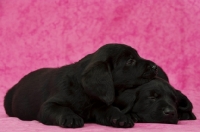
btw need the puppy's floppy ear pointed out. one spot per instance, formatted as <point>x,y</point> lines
<point>184,107</point>
<point>97,80</point>
<point>125,100</point>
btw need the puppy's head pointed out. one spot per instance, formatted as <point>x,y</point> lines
<point>115,66</point>
<point>155,102</point>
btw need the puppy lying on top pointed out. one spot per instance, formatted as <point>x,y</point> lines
<point>84,91</point>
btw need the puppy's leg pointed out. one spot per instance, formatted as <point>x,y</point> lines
<point>111,116</point>
<point>53,113</point>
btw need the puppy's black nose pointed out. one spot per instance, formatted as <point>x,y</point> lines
<point>152,66</point>
<point>168,112</point>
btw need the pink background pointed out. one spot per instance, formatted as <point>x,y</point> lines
<point>52,33</point>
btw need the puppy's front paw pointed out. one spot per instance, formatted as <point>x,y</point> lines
<point>71,121</point>
<point>123,121</point>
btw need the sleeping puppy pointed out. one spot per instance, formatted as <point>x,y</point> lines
<point>73,94</point>
<point>155,102</point>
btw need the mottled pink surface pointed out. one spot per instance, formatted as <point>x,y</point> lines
<point>52,33</point>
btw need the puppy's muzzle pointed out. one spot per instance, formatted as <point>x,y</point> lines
<point>170,115</point>
<point>151,70</point>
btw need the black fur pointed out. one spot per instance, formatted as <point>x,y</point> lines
<point>81,92</point>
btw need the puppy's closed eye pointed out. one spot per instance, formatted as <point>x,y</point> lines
<point>153,96</point>
<point>131,62</point>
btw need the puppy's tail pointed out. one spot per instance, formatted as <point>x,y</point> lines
<point>8,102</point>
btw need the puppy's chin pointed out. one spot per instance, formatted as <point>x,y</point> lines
<point>149,119</point>
<point>172,121</point>
<point>142,80</point>
<point>149,75</point>
<point>169,121</point>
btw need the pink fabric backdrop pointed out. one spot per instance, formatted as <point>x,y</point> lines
<point>52,33</point>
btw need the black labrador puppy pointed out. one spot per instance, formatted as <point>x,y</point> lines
<point>155,102</point>
<point>81,92</point>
